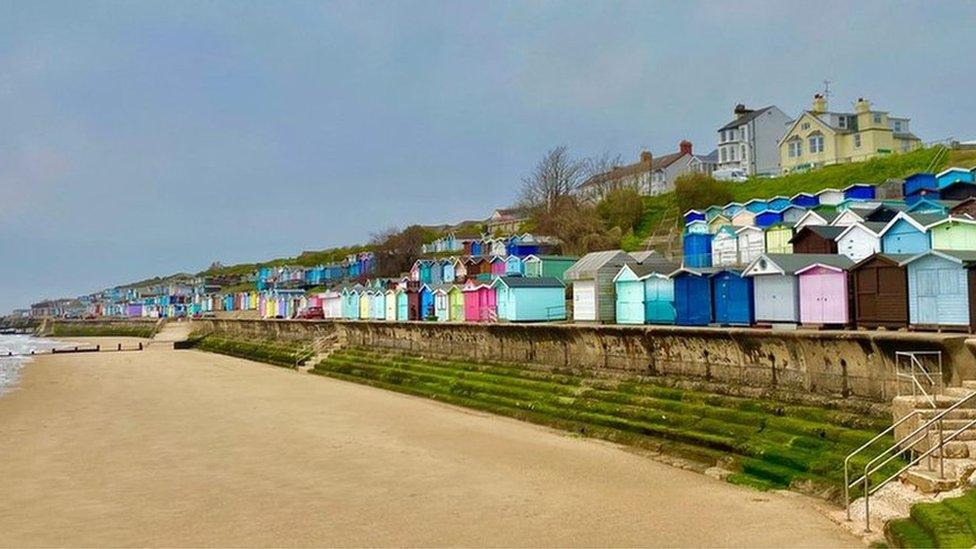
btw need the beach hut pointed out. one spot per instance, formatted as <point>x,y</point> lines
<point>885,212</point>
<point>455,301</point>
<point>514,266</point>
<point>732,298</point>
<point>402,305</point>
<point>377,304</point>
<point>860,240</point>
<point>365,309</point>
<point>775,286</point>
<point>477,248</point>
<point>717,222</point>
<point>940,283</point>
<point>824,298</point>
<point>547,265</point>
<point>931,206</point>
<point>965,208</point>
<point>778,239</point>
<point>919,184</point>
<point>479,302</point>
<point>750,243</point>
<point>442,304</point>
<point>725,247</point>
<point>694,215</point>
<point>859,191</point>
<point>448,270</point>
<point>693,296</point>
<point>477,265</point>
<point>830,197</point>
<point>521,299</point>
<point>805,200</point>
<point>592,284</point>
<point>390,304</point>
<point>756,205</point>
<point>350,302</point>
<point>744,218</point>
<point>815,217</point>
<point>424,268</point>
<point>880,291</point>
<point>816,239</point>
<point>645,293</point>
<point>712,211</point>
<point>499,248</point>
<point>731,209</point>
<point>697,227</point>
<point>460,269</point>
<point>768,218</point>
<point>950,176</point>
<point>426,301</point>
<point>497,265</point>
<point>778,203</point>
<point>908,234</point>
<point>958,191</point>
<point>953,233</point>
<point>697,249</point>
<point>629,288</point>
<point>849,217</point>
<point>792,214</point>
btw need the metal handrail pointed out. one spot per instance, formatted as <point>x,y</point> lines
<point>847,483</point>
<point>902,445</point>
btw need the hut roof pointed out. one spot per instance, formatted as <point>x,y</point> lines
<point>791,263</point>
<point>529,282</point>
<point>587,267</point>
<point>824,231</point>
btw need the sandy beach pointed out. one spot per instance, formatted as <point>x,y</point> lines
<point>182,448</point>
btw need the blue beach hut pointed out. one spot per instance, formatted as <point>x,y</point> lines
<point>697,249</point>
<point>694,215</point>
<point>732,298</point>
<point>777,203</point>
<point>514,266</point>
<point>426,302</point>
<point>938,289</point>
<point>731,209</point>
<point>805,200</point>
<point>768,218</point>
<point>756,205</point>
<point>477,247</point>
<point>953,175</point>
<point>908,233</point>
<point>692,296</point>
<point>918,182</point>
<point>860,191</point>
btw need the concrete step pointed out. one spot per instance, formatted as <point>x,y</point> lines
<point>958,413</point>
<point>969,384</point>
<point>957,392</point>
<point>927,481</point>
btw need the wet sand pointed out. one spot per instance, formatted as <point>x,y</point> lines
<point>181,448</point>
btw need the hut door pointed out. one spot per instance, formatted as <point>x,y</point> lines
<point>928,296</point>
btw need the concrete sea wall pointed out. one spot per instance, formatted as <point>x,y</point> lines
<point>836,364</point>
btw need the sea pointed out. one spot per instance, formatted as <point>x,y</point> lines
<point>18,345</point>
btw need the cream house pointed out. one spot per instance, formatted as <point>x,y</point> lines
<point>820,137</point>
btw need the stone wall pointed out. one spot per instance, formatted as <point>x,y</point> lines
<point>842,364</point>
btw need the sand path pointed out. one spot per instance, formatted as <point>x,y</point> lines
<point>184,448</point>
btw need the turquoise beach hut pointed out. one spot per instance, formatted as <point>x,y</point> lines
<point>522,299</point>
<point>514,266</point>
<point>645,293</point>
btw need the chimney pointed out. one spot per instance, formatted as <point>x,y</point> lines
<point>819,104</point>
<point>862,106</point>
<point>740,110</point>
<point>645,157</point>
<point>685,147</point>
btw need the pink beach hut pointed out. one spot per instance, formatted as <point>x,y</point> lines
<point>823,294</point>
<point>498,266</point>
<point>479,302</point>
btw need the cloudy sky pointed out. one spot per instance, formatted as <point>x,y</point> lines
<point>144,138</point>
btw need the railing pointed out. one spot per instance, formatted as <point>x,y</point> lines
<point>937,159</point>
<point>906,444</point>
<point>917,375</point>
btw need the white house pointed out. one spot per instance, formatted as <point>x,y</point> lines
<point>750,142</point>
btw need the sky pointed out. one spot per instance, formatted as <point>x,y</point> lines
<point>148,138</point>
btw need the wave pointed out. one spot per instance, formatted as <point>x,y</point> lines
<point>18,345</point>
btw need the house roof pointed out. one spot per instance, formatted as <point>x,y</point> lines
<point>745,118</point>
<point>529,282</point>
<point>824,231</point>
<point>590,263</point>
<point>791,263</point>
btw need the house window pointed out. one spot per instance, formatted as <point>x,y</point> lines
<point>794,146</point>
<point>842,122</point>
<point>745,133</point>
<point>857,141</point>
<point>898,126</point>
<point>722,154</point>
<point>742,152</point>
<point>816,143</point>
<point>805,126</point>
<point>877,118</point>
<point>732,153</point>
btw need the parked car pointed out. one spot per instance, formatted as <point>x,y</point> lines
<point>312,313</point>
<point>730,174</point>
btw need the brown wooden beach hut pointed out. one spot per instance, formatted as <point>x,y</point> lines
<point>816,239</point>
<point>879,288</point>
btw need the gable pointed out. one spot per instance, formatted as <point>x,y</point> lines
<point>794,130</point>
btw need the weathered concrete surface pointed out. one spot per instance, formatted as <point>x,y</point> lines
<point>46,326</point>
<point>840,364</point>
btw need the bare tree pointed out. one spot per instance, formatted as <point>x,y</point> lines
<point>556,176</point>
